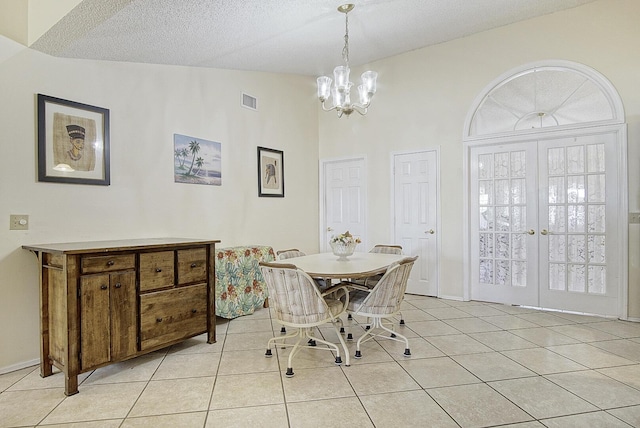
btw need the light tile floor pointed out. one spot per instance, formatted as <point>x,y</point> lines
<point>472,364</point>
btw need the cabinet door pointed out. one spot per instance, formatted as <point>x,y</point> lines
<point>107,318</point>
<point>123,314</point>
<point>95,331</point>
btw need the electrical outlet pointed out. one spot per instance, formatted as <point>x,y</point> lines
<point>18,222</point>
<point>634,218</point>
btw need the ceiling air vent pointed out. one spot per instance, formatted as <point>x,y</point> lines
<point>249,102</point>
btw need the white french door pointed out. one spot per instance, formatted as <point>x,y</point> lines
<point>544,223</point>
<point>415,207</point>
<point>504,223</point>
<point>344,201</point>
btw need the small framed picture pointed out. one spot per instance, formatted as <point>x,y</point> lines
<point>73,142</point>
<point>270,172</point>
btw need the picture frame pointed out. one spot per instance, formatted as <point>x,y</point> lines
<point>270,173</point>
<point>73,142</point>
<point>196,160</point>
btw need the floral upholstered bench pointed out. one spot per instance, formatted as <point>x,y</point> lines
<point>240,287</point>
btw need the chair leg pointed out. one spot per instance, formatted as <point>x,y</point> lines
<point>407,351</point>
<point>369,334</point>
<point>281,338</point>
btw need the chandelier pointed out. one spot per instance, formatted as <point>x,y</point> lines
<point>340,92</point>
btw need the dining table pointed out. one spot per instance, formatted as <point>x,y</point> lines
<point>356,266</point>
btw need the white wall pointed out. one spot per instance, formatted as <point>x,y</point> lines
<point>422,102</point>
<point>148,104</point>
<point>423,98</point>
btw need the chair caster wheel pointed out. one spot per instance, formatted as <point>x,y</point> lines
<point>401,322</point>
<point>407,352</point>
<point>349,336</point>
<point>289,372</point>
<point>358,354</point>
<point>349,317</point>
<point>338,360</point>
<point>283,330</point>
<point>393,335</point>
<point>268,353</point>
<point>312,342</point>
<point>368,327</point>
<point>341,330</point>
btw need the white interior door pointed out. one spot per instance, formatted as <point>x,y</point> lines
<point>415,217</point>
<point>544,224</point>
<point>344,201</point>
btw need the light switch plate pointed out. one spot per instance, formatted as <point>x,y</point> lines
<point>18,222</point>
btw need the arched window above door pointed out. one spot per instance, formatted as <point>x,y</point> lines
<point>553,94</point>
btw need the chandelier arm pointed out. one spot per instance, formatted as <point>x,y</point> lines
<point>362,109</point>
<point>328,109</point>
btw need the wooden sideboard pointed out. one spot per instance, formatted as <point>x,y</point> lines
<point>108,301</point>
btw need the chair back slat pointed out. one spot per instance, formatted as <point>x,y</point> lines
<point>293,295</point>
<point>388,294</point>
<point>387,249</point>
<point>287,254</point>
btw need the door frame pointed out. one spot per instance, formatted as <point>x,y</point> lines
<point>323,245</point>
<point>392,196</point>
<point>623,194</point>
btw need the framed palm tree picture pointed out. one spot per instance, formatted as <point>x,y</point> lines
<point>197,161</point>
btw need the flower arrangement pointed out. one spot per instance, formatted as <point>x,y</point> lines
<point>343,245</point>
<point>345,239</point>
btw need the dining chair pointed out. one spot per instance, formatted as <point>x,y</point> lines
<point>287,254</point>
<point>382,302</point>
<point>386,249</point>
<point>297,302</point>
<point>371,281</point>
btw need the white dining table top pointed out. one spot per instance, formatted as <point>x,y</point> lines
<point>358,265</point>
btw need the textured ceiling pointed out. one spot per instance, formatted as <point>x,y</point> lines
<point>285,36</point>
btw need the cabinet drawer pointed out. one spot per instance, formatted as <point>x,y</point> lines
<point>108,263</point>
<point>192,265</point>
<point>156,270</point>
<point>170,315</point>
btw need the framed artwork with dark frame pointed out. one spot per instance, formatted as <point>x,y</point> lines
<point>270,172</point>
<point>73,142</point>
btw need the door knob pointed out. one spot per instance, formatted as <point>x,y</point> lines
<point>329,229</point>
<point>430,231</point>
<point>531,232</point>
<point>544,232</point>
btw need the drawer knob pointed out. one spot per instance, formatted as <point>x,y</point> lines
<point>118,285</point>
<point>158,319</point>
<point>103,287</point>
<point>110,263</point>
<point>158,270</point>
<point>193,265</point>
<point>193,311</point>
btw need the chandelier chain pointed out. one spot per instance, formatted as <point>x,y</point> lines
<point>345,49</point>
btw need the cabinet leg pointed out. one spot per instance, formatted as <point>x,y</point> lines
<point>46,368</point>
<point>70,384</point>
<point>266,303</point>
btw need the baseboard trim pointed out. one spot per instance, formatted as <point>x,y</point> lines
<point>19,366</point>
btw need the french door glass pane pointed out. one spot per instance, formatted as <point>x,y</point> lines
<point>576,198</point>
<point>502,194</point>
